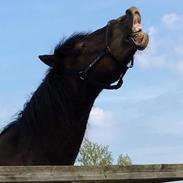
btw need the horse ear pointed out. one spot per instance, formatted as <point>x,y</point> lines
<point>48,60</point>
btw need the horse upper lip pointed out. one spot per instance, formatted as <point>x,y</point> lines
<point>135,32</point>
<point>136,28</point>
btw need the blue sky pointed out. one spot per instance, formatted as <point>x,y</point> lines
<point>144,118</point>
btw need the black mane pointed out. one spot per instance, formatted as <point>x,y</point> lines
<point>30,116</point>
<point>66,46</point>
<point>62,49</point>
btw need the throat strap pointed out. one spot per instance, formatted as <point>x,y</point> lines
<point>109,86</point>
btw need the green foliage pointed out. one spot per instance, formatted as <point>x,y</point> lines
<point>93,154</point>
<point>124,160</point>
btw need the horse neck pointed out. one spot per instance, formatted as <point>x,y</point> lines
<point>59,104</point>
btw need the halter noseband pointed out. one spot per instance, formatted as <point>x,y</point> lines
<point>83,74</point>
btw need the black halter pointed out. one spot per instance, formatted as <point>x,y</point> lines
<point>83,74</point>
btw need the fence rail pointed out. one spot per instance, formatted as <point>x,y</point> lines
<point>134,173</point>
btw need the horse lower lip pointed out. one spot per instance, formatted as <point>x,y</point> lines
<point>137,44</point>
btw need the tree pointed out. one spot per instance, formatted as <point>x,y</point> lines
<point>93,154</point>
<point>124,160</point>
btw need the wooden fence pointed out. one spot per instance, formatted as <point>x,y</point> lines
<point>135,173</point>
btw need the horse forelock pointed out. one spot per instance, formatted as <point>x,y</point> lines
<point>66,46</point>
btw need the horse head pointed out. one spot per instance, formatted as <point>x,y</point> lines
<point>103,56</point>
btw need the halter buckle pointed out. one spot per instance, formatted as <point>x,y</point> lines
<point>82,75</point>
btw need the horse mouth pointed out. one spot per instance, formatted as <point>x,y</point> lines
<point>139,40</point>
<point>137,37</point>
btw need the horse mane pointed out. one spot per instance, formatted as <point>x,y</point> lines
<point>66,46</point>
<point>45,90</point>
<point>31,115</point>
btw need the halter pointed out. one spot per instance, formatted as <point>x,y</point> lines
<point>84,74</point>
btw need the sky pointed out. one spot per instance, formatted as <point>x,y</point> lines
<point>144,118</point>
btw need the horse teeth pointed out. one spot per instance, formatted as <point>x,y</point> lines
<point>137,29</point>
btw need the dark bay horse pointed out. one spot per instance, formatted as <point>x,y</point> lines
<point>50,129</point>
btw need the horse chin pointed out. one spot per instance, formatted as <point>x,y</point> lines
<point>138,40</point>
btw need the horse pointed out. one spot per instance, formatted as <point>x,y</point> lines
<point>50,128</point>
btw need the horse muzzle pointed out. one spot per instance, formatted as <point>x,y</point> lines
<point>137,38</point>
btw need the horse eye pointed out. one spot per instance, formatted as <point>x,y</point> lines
<point>79,48</point>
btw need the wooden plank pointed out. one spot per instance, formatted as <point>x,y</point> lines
<point>134,173</point>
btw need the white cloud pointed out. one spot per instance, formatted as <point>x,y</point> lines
<point>162,52</point>
<point>103,127</point>
<point>172,20</point>
<point>99,117</point>
<point>151,57</point>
